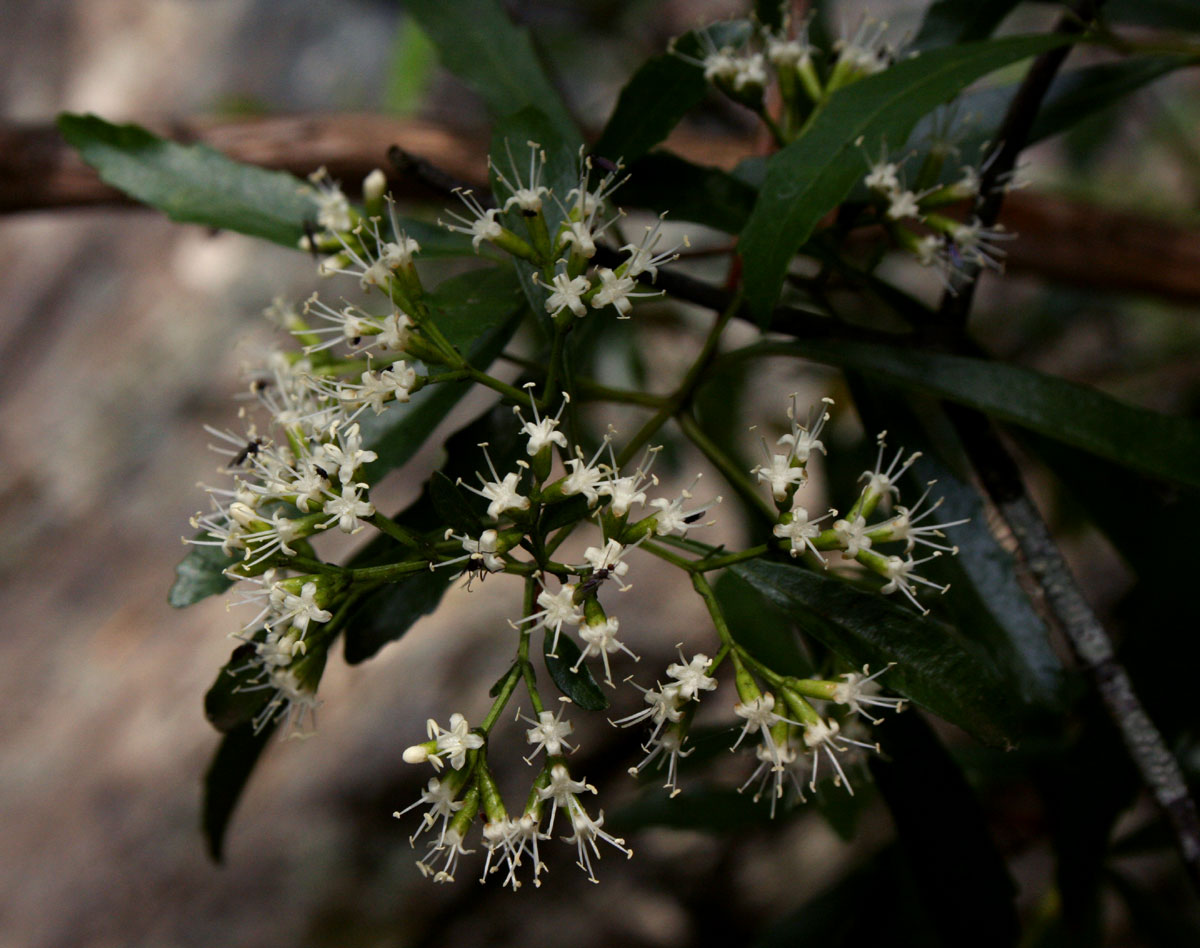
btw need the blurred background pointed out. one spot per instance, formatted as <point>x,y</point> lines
<point>121,334</point>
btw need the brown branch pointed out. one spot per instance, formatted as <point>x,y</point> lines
<point>1061,239</point>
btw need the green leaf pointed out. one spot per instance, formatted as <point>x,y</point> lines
<point>230,703</point>
<point>225,780</point>
<point>579,686</point>
<point>948,22</point>
<point>200,574</point>
<point>387,614</point>
<point>192,183</point>
<point>1165,446</point>
<point>1164,14</point>
<point>662,181</point>
<point>452,506</point>
<point>815,173</point>
<point>985,598</point>
<point>955,867</point>
<point>660,93</point>
<point>478,312</point>
<point>479,43</point>
<point>761,627</point>
<point>410,70</point>
<point>1080,93</point>
<point>934,666</point>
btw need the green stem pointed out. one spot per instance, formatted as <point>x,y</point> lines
<point>720,562</point>
<point>728,468</point>
<point>701,585</point>
<point>531,594</point>
<point>389,572</point>
<point>594,391</point>
<point>682,395</point>
<point>394,530</point>
<point>506,689</point>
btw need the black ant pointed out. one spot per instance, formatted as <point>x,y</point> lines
<point>594,581</point>
<point>253,446</point>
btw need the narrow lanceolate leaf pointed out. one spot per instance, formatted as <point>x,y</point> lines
<point>200,574</point>
<point>815,173</point>
<point>935,667</point>
<point>985,599</point>
<point>387,615</point>
<point>960,21</point>
<point>192,183</point>
<point>233,700</point>
<point>226,779</point>
<point>579,685</point>
<point>479,43</point>
<point>1164,446</point>
<point>662,181</point>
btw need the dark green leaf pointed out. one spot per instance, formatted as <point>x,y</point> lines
<point>935,667</point>
<point>201,573</point>
<point>761,627</point>
<point>948,22</point>
<point>192,183</point>
<point>1161,445</point>
<point>232,700</point>
<point>579,686</point>
<point>478,312</point>
<point>662,181</point>
<point>225,780</point>
<point>452,506</point>
<point>770,13</point>
<point>479,43</point>
<point>660,93</point>
<point>985,599</point>
<point>1080,93</point>
<point>813,174</point>
<point>1165,14</point>
<point>564,513</point>
<point>955,868</point>
<point>387,614</point>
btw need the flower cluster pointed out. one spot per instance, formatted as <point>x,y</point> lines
<point>855,536</point>
<point>741,62</point>
<point>560,236</point>
<point>915,220</point>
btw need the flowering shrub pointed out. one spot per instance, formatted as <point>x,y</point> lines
<point>868,150</point>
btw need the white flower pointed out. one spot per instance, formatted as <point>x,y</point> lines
<point>692,678</point>
<point>824,736</point>
<point>509,841</point>
<point>643,258</point>
<point>856,691</point>
<point>751,72</point>
<point>899,575</point>
<point>607,562</point>
<point>549,733</point>
<point>562,791</point>
<point>672,520</point>
<point>800,531</point>
<point>884,178</point>
<point>600,638</point>
<point>346,509</point>
<point>481,225</point>
<point>779,473</point>
<point>759,714</point>
<point>616,290</point>
<point>567,293</point>
<point>803,440</point>
<point>333,209</point>
<point>662,705</point>
<point>667,748</point>
<point>585,476</point>
<point>483,553</point>
<point>624,492</point>
<point>587,832</point>
<point>883,481</point>
<point>501,493</point>
<point>903,204</point>
<point>292,701</point>
<point>773,767</point>
<point>852,534</point>
<point>541,431</point>
<point>527,197</point>
<point>452,846</point>
<point>347,453</point>
<point>299,610</point>
<point>906,524</point>
<point>440,798</point>
<point>558,609</point>
<point>452,743</point>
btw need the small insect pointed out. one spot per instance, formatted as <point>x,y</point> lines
<point>692,518</point>
<point>253,446</point>
<point>310,234</point>
<point>604,164</point>
<point>594,581</point>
